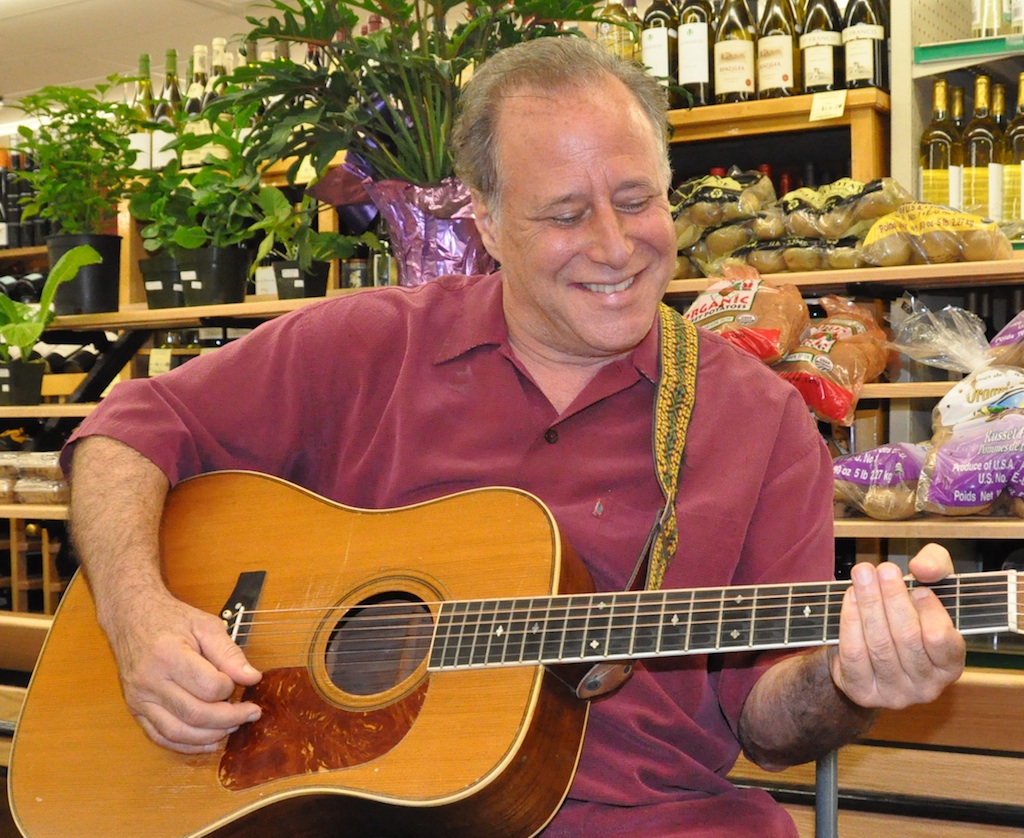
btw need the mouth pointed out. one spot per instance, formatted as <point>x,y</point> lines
<point>609,289</point>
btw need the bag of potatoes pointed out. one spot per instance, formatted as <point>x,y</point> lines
<point>925,234</point>
<point>835,358</point>
<point>711,201</point>
<point>880,482</point>
<point>840,209</point>
<point>766,320</point>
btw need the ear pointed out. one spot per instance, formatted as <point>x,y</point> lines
<point>487,225</point>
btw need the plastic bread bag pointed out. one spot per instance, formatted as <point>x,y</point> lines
<point>954,339</point>
<point>1007,347</point>
<point>924,234</point>
<point>835,359</point>
<point>881,482</point>
<point>977,468</point>
<point>843,208</point>
<point>760,317</point>
<point>712,200</point>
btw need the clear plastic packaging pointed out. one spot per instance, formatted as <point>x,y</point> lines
<point>36,490</point>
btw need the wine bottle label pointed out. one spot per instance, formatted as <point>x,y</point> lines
<point>195,90</point>
<point>775,62</point>
<point>995,191</point>
<point>819,65</point>
<point>820,38</point>
<point>655,44</point>
<point>860,59</point>
<point>956,187</point>
<point>864,31</point>
<point>693,54</point>
<point>1011,191</point>
<point>734,67</point>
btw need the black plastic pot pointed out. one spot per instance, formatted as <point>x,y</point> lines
<point>21,383</point>
<point>95,288</point>
<point>213,275</point>
<point>161,278</point>
<point>292,283</point>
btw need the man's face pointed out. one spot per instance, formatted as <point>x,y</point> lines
<point>585,238</point>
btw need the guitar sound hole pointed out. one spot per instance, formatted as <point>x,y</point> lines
<point>379,643</point>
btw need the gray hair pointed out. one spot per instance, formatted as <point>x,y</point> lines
<point>560,63</point>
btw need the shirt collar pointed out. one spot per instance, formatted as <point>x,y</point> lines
<point>485,325</point>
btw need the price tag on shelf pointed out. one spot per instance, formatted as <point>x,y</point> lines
<point>159,360</point>
<point>829,105</point>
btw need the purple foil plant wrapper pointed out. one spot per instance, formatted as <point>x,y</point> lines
<point>1012,332</point>
<point>887,465</point>
<point>432,229</point>
<point>977,463</point>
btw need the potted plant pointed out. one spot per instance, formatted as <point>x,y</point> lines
<point>22,325</point>
<point>82,166</point>
<point>387,99</point>
<point>203,217</point>
<point>303,252</point>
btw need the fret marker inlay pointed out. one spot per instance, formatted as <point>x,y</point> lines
<point>500,631</point>
<point>675,620</point>
<point>807,611</point>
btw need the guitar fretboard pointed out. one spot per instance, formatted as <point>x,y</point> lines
<point>622,626</point>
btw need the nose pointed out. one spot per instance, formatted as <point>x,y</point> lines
<point>610,242</point>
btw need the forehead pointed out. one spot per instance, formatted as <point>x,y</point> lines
<point>580,129</point>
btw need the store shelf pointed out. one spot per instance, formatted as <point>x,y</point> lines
<point>949,56</point>
<point>906,390</point>
<point>896,279</point>
<point>930,528</point>
<point>26,254</point>
<point>47,411</point>
<point>866,115</point>
<point>35,511</point>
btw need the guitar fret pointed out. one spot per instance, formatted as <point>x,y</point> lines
<point>553,643</point>
<point>595,637</point>
<point>610,626</point>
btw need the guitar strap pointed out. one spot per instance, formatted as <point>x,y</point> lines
<point>673,408</point>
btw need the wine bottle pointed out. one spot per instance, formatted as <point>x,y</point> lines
<point>983,157</point>
<point>197,83</point>
<point>1013,145</point>
<point>777,52</point>
<point>218,71</point>
<point>941,153</point>
<point>821,47</point>
<point>735,43</point>
<point>957,109</point>
<point>866,43</point>
<point>613,30</point>
<point>999,106</point>
<point>1017,17</point>
<point>986,18</point>
<point>659,48</point>
<point>145,108</point>
<point>168,109</point>
<point>696,46</point>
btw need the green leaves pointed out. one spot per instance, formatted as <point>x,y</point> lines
<point>22,324</point>
<point>84,156</point>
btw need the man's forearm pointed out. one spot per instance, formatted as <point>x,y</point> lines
<point>116,499</point>
<point>795,713</point>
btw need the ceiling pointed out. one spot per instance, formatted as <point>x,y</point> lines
<point>81,42</point>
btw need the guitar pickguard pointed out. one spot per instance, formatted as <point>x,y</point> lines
<point>299,733</point>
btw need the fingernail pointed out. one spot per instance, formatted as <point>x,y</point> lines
<point>254,716</point>
<point>888,571</point>
<point>249,669</point>
<point>861,574</point>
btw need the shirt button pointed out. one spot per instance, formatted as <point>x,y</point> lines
<point>551,436</point>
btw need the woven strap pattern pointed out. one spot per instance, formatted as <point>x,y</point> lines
<point>677,391</point>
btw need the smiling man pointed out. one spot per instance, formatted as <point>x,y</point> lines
<point>543,376</point>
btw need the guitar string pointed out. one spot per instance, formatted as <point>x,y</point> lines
<point>533,634</point>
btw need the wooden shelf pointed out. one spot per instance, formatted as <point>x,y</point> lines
<point>931,527</point>
<point>866,115</point>
<point>35,511</point>
<point>907,390</point>
<point>894,280</point>
<point>47,411</point>
<point>22,254</point>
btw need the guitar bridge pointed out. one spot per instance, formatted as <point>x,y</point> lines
<point>237,611</point>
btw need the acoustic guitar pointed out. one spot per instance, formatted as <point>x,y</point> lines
<point>421,668</point>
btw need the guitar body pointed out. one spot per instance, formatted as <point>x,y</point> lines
<point>487,752</point>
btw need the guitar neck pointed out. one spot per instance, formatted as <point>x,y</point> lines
<point>641,624</point>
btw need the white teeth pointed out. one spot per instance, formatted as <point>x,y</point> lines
<point>609,289</point>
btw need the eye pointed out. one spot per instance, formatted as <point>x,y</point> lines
<point>567,219</point>
<point>635,205</point>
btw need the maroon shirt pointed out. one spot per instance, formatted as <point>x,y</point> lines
<point>398,396</point>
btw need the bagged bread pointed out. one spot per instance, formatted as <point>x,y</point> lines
<point>881,482</point>
<point>835,358</point>
<point>763,318</point>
